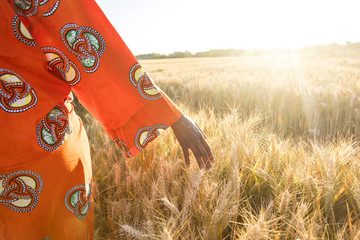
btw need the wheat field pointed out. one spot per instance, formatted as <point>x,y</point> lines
<point>284,131</point>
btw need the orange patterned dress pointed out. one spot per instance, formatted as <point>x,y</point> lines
<point>49,48</point>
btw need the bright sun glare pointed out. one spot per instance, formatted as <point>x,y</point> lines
<point>167,26</point>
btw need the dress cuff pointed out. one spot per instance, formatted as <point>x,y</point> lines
<point>145,125</point>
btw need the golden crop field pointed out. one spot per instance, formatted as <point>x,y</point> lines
<point>284,131</point>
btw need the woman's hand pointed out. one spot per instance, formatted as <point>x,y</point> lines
<point>190,136</point>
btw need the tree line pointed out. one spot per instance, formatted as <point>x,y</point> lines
<point>330,50</point>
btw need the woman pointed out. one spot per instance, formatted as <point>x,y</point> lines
<point>49,48</point>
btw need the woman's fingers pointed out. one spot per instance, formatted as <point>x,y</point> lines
<point>197,156</point>
<point>190,136</point>
<point>201,155</point>
<point>205,157</point>
<point>208,150</point>
<point>186,155</point>
<point>201,131</point>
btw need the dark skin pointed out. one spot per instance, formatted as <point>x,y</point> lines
<point>190,136</point>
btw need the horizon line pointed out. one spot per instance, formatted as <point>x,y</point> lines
<point>250,49</point>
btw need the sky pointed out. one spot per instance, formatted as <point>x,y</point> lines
<point>166,26</point>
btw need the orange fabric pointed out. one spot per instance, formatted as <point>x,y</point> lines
<point>47,49</point>
<point>47,184</point>
<point>83,49</point>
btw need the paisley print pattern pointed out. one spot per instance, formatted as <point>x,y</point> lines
<point>147,134</point>
<point>26,8</point>
<point>29,8</point>
<point>53,130</point>
<point>52,10</point>
<point>22,33</point>
<point>143,83</point>
<point>78,200</point>
<point>59,63</point>
<point>16,95</point>
<point>86,43</point>
<point>20,190</point>
<point>123,147</point>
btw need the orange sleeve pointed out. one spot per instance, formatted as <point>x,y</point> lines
<point>84,49</point>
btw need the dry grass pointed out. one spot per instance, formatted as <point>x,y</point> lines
<point>284,133</point>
